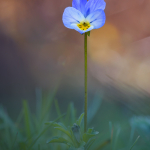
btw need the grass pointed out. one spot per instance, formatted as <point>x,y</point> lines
<point>29,131</point>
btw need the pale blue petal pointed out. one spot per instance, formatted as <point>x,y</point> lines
<point>81,31</point>
<point>97,18</point>
<point>72,16</point>
<point>79,5</point>
<point>93,5</point>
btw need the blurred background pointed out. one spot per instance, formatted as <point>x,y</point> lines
<point>38,52</point>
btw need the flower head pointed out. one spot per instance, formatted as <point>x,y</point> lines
<point>85,15</point>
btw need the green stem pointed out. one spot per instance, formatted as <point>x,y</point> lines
<point>85,82</point>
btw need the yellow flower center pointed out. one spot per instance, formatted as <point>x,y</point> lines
<point>84,25</point>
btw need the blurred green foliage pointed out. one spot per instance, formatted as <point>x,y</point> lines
<point>35,130</point>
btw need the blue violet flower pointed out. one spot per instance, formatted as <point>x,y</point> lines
<point>85,15</point>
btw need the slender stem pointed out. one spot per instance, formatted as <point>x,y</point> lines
<point>85,82</point>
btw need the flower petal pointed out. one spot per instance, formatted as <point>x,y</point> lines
<point>72,16</point>
<point>82,31</point>
<point>79,5</point>
<point>97,18</point>
<point>93,5</point>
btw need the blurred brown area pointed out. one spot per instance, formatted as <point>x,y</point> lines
<point>120,50</point>
<point>36,50</point>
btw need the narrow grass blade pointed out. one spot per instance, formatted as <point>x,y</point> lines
<point>94,107</point>
<point>134,142</point>
<point>111,133</point>
<point>19,118</point>
<point>8,126</point>
<point>38,93</point>
<point>73,113</point>
<point>68,115</point>
<point>116,138</point>
<point>131,134</point>
<point>39,147</point>
<point>27,118</point>
<point>14,141</point>
<point>80,119</point>
<point>44,130</point>
<point>64,131</point>
<point>89,143</point>
<point>48,103</point>
<point>58,109</point>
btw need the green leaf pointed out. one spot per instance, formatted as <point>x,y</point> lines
<point>49,123</point>
<point>89,134</point>
<point>44,130</point>
<point>58,109</point>
<point>57,140</point>
<point>80,119</point>
<point>60,126</point>
<point>90,130</point>
<point>76,132</point>
<point>64,131</point>
<point>55,124</point>
<point>89,143</point>
<point>88,33</point>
